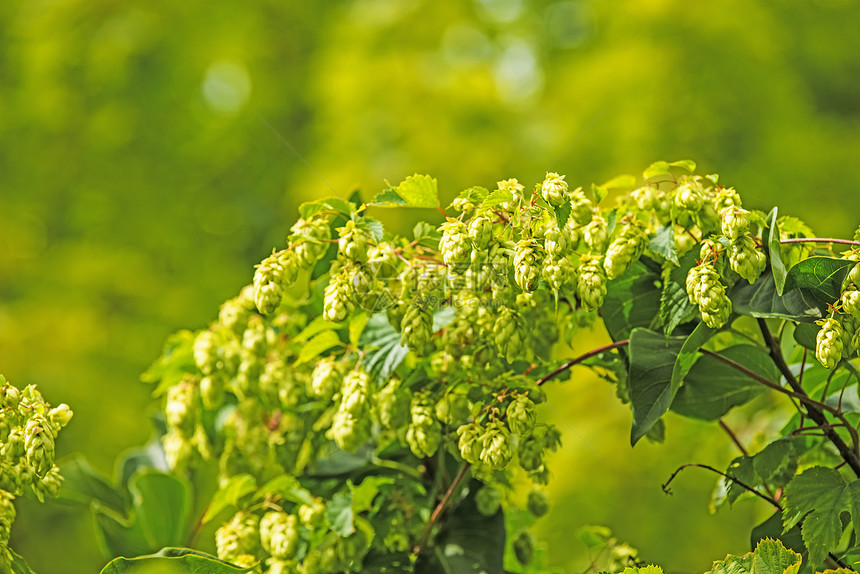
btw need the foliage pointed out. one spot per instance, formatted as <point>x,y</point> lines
<point>369,402</point>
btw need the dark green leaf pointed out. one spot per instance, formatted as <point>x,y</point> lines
<point>173,561</point>
<point>82,485</point>
<point>776,463</point>
<point>652,360</point>
<point>769,557</point>
<point>818,496</point>
<point>388,563</point>
<point>663,243</point>
<point>229,494</point>
<point>381,344</point>
<point>806,333</point>
<point>688,354</point>
<point>468,543</point>
<point>777,267</point>
<point>288,488</point>
<point>562,214</point>
<point>162,504</point>
<point>712,388</point>
<point>819,277</point>
<point>19,565</point>
<point>333,461</point>
<point>675,306</point>
<point>743,469</point>
<point>761,300</point>
<point>631,301</point>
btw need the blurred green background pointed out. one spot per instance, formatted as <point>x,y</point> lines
<point>146,164</point>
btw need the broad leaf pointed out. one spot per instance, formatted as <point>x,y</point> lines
<point>311,208</point>
<point>415,191</point>
<point>338,512</point>
<point>769,557</point>
<point>631,301</point>
<point>663,243</point>
<point>688,354</point>
<point>382,348</point>
<point>712,388</point>
<point>173,561</point>
<point>562,213</point>
<point>761,300</point>
<point>371,226</point>
<point>163,507</point>
<point>652,360</point>
<point>19,565</point>
<point>772,528</point>
<point>175,361</point>
<point>687,164</point>
<point>474,195</point>
<point>819,277</point>
<point>318,325</point>
<point>675,306</point>
<point>777,266</point>
<point>317,345</point>
<point>818,496</point>
<point>230,494</point>
<point>655,169</point>
<point>82,485</point>
<point>468,543</point>
<point>497,198</point>
<point>806,334</point>
<point>650,569</point>
<point>387,198</point>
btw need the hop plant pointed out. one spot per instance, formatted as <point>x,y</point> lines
<point>488,500</point>
<point>554,189</point>
<point>524,547</point>
<point>705,290</point>
<point>624,250</point>
<point>497,450</point>
<point>309,240</point>
<point>596,233</point>
<point>690,196</point>
<point>591,284</point>
<point>469,442</point>
<point>521,415</point>
<point>352,243</point>
<point>735,222</point>
<point>274,274</point>
<point>537,503</point>
<point>425,432</point>
<point>509,334</point>
<point>828,343</point>
<point>558,272</point>
<point>556,241</point>
<point>393,405</point>
<point>481,231</point>
<point>745,259</point>
<point>455,245</point>
<point>528,257</point>
<point>338,301</point>
<point>279,534</point>
<point>851,302</point>
<point>581,208</point>
<point>417,327</point>
<point>239,537</point>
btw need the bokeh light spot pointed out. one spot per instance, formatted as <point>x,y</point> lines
<point>226,86</point>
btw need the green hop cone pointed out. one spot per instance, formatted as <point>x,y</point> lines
<point>212,391</point>
<point>509,334</point>
<point>596,233</point>
<point>581,208</point>
<point>178,450</point>
<point>556,241</point>
<point>497,450</point>
<point>481,231</point>
<point>591,284</point>
<point>338,299</point>
<point>524,547</point>
<point>455,245</point>
<point>745,259</point>
<point>416,329</point>
<point>537,503</point>
<point>521,415</point>
<point>726,197</point>
<point>425,431</point>
<point>554,189</point>
<point>179,406</point>
<point>705,290</point>
<point>352,243</point>
<point>735,222</point>
<point>558,272</point>
<point>453,409</point>
<point>238,537</point>
<point>645,198</point>
<point>279,534</point>
<point>7,517</point>
<point>851,302</point>
<point>469,442</point>
<point>488,500</point>
<point>310,241</point>
<point>828,343</point>
<point>515,188</point>
<point>39,445</point>
<point>393,405</point>
<point>528,257</point>
<point>273,275</point>
<point>351,425</point>
<point>690,196</point>
<point>624,250</point>
<point>312,515</point>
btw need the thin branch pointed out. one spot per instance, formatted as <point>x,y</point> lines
<point>440,508</point>
<point>743,485</point>
<point>819,240</point>
<point>733,436</point>
<point>580,359</point>
<point>847,453</point>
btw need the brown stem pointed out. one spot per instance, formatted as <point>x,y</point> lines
<point>579,359</point>
<point>848,454</point>
<point>733,436</point>
<point>743,485</point>
<point>440,508</point>
<point>819,240</point>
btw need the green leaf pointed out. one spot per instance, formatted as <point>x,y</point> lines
<point>173,561</point>
<point>650,569</point>
<point>593,535</point>
<point>687,164</point>
<point>175,361</point>
<point>468,542</point>
<point>339,514</point>
<point>288,488</point>
<point>311,208</point>
<point>818,496</point>
<point>364,493</point>
<point>675,306</point>
<point>776,463</point>
<point>562,214</point>
<point>163,507</point>
<point>620,182</point>
<point>318,325</point>
<point>599,192</point>
<point>426,234</point>
<point>371,226</point>
<point>19,565</point>
<point>777,266</point>
<point>321,342</point>
<point>769,557</point>
<point>772,528</point>
<point>82,485</point>
<point>631,301</point>
<point>387,198</point>
<point>230,494</point>
<point>806,334</point>
<point>356,327</point>
<point>663,243</point>
<point>474,195</point>
<point>688,354</point>
<point>819,277</point>
<point>712,388</point>
<point>652,361</point>
<point>656,168</point>
<point>381,345</point>
<point>761,300</point>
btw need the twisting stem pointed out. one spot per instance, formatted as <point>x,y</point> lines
<point>440,508</point>
<point>744,485</point>
<point>733,436</point>
<point>579,359</point>
<point>819,240</point>
<point>813,408</point>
